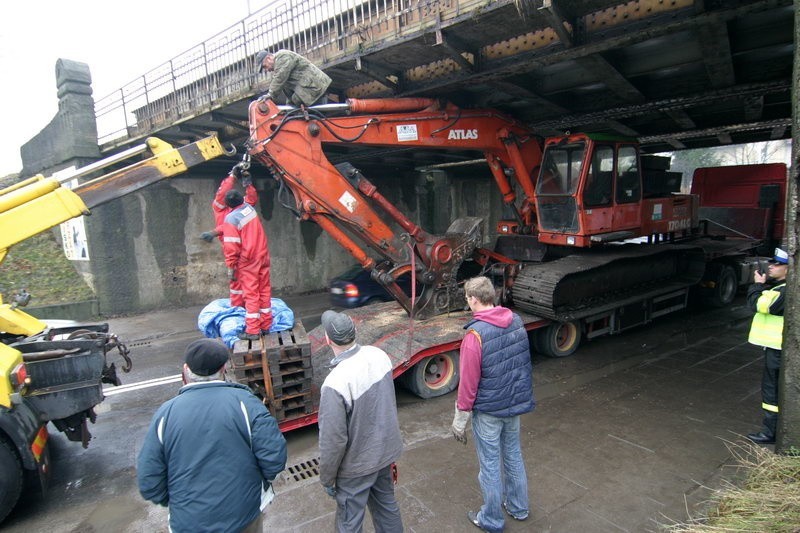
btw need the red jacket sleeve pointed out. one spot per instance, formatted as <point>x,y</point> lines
<point>218,204</point>
<point>470,370</point>
<point>251,195</point>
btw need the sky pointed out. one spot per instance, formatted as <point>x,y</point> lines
<point>118,40</point>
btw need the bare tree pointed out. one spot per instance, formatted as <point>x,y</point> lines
<point>756,153</point>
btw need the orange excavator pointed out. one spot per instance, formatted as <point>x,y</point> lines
<point>600,239</point>
<point>578,201</point>
<point>344,202</point>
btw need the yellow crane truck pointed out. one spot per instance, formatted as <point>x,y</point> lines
<point>55,374</point>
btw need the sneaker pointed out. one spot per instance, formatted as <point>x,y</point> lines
<point>473,517</point>
<point>249,336</point>
<point>512,515</point>
<point>761,438</point>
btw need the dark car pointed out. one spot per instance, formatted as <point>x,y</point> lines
<point>355,287</point>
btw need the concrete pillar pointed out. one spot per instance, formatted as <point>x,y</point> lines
<point>789,396</point>
<point>71,137</point>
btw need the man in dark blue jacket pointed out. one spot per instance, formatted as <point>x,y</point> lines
<point>211,452</point>
<point>495,388</point>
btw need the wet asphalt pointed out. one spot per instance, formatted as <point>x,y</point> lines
<point>630,433</point>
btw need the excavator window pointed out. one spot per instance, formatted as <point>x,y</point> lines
<point>600,178</point>
<point>561,169</point>
<point>558,181</point>
<point>629,183</point>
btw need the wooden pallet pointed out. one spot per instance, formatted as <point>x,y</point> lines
<point>289,390</point>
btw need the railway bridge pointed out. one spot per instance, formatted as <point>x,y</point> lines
<point>674,74</point>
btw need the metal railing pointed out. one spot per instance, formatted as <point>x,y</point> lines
<point>221,70</point>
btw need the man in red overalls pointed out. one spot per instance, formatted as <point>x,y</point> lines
<point>246,250</point>
<point>220,210</point>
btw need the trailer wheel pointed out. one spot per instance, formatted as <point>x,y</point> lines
<point>725,287</point>
<point>10,479</point>
<point>558,340</point>
<point>433,376</point>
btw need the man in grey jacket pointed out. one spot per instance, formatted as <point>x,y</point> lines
<point>359,434</point>
<point>294,77</point>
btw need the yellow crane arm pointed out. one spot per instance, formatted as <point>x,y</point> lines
<point>34,205</point>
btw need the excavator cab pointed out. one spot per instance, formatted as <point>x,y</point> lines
<point>589,191</point>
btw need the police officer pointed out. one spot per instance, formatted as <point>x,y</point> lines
<point>767,301</point>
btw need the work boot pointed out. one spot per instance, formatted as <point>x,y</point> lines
<point>249,336</point>
<point>761,438</point>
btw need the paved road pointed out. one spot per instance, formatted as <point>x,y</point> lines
<point>627,434</point>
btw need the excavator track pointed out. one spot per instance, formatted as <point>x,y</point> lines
<point>590,282</point>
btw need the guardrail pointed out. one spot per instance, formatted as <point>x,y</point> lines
<point>221,69</point>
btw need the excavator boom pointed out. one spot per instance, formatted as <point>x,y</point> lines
<point>289,141</point>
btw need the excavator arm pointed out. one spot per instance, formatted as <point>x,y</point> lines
<point>289,142</point>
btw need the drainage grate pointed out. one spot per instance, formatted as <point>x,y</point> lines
<point>304,470</point>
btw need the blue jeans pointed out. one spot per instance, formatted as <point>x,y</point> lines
<point>502,470</point>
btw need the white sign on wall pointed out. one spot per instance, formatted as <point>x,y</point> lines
<point>73,232</point>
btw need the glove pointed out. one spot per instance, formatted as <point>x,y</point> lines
<point>459,428</point>
<point>208,236</point>
<point>232,274</point>
<point>245,178</point>
<point>330,490</point>
<point>236,171</point>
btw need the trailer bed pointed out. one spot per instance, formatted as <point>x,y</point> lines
<point>299,361</point>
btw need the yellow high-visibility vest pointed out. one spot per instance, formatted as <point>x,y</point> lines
<point>766,329</point>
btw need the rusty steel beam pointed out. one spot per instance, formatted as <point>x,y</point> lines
<point>675,143</point>
<point>554,16</point>
<point>381,75</point>
<point>613,79</point>
<point>455,49</point>
<point>770,125</point>
<point>681,118</point>
<point>732,93</point>
<point>638,31</point>
<point>716,47</point>
<point>778,132</point>
<point>240,123</point>
<point>754,108</point>
<point>621,128</point>
<point>523,93</point>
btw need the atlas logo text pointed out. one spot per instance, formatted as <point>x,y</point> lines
<point>462,134</point>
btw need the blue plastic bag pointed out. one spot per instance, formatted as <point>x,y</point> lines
<point>219,319</point>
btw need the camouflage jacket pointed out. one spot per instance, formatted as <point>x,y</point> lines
<point>297,78</point>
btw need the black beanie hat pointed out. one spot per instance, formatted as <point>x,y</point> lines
<point>205,356</point>
<point>233,198</point>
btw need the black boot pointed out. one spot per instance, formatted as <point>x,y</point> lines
<point>249,336</point>
<point>761,438</point>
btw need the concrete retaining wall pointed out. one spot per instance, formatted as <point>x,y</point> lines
<point>146,254</point>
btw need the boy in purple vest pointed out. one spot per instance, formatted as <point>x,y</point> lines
<point>495,388</point>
